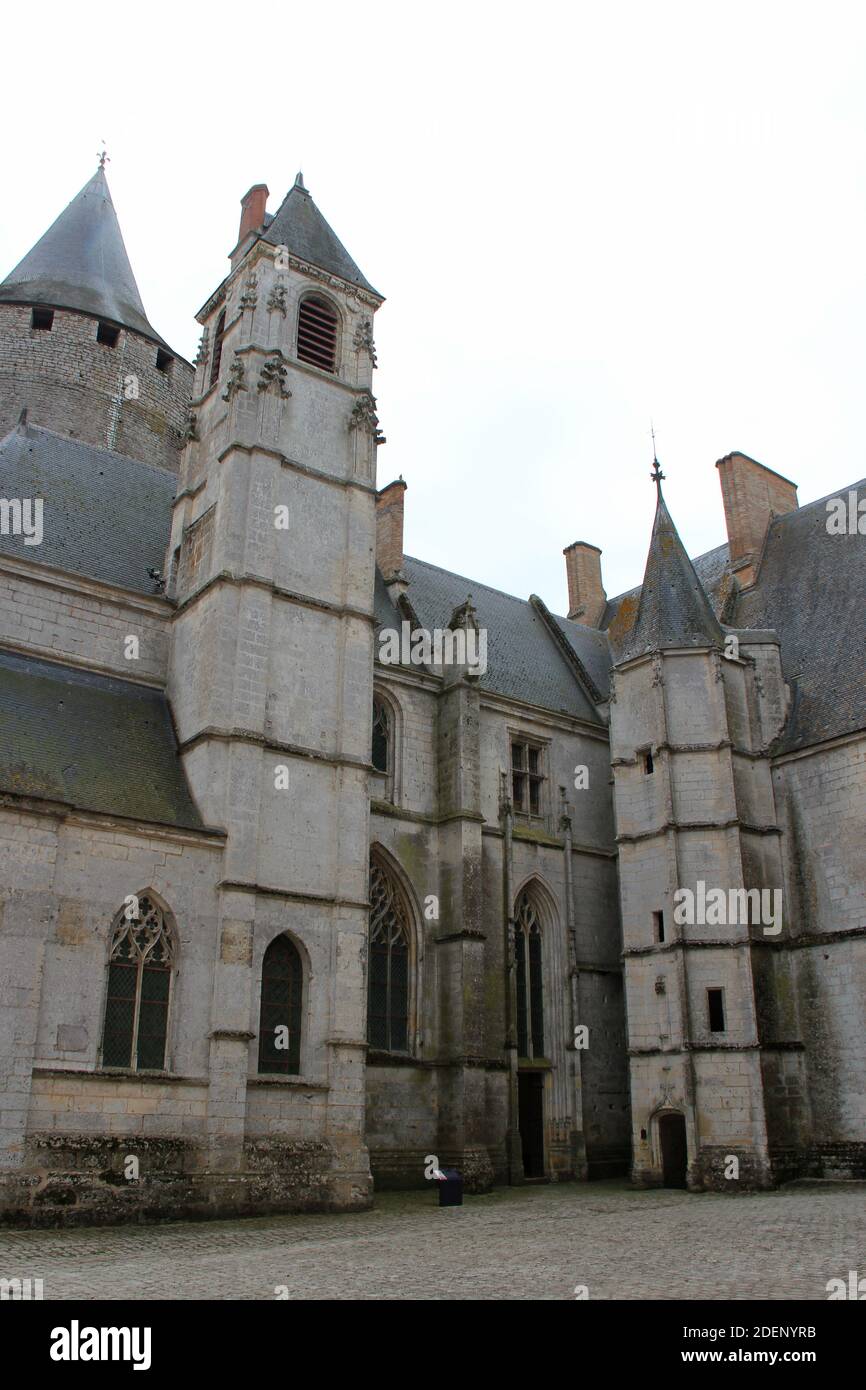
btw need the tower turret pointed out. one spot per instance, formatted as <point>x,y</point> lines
<point>77,350</point>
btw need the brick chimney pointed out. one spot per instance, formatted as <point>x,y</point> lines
<point>586,596</point>
<point>253,206</point>
<point>389,536</point>
<point>752,496</point>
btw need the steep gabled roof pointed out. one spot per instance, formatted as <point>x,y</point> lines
<point>104,515</point>
<point>524,661</point>
<point>81,263</point>
<point>300,226</point>
<point>91,741</point>
<point>673,609</point>
<point>811,590</point>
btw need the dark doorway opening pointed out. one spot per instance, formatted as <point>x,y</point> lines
<point>672,1137</point>
<point>530,1122</point>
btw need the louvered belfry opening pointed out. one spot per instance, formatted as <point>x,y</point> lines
<point>317,333</point>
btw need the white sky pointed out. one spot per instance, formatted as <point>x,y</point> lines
<point>583,216</point>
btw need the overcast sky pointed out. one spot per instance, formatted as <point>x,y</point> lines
<point>583,217</point>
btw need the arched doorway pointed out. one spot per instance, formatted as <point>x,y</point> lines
<point>674,1149</point>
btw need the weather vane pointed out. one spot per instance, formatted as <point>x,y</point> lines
<point>103,156</point>
<point>657,475</point>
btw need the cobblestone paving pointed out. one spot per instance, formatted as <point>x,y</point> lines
<point>517,1243</point>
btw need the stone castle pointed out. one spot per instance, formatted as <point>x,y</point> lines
<point>285,917</point>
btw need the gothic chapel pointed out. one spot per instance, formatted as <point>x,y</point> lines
<point>279,919</point>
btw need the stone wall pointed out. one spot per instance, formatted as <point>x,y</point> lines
<point>74,385</point>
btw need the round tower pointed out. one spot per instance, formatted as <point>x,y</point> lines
<point>77,350</point>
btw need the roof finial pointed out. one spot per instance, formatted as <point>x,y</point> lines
<point>299,181</point>
<point>104,157</point>
<point>657,473</point>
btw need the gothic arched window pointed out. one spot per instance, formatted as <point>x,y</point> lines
<point>530,994</point>
<point>317,332</point>
<point>381,736</point>
<point>280,1013</point>
<point>388,966</point>
<point>135,1028</point>
<point>217,347</point>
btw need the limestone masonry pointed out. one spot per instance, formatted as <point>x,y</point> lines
<point>282,918</point>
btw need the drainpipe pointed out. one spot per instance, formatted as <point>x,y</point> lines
<point>578,1142</point>
<point>514,1150</point>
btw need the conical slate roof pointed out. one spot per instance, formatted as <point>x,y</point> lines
<point>301,227</point>
<point>673,609</point>
<point>81,263</point>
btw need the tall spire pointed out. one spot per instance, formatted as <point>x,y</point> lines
<point>81,263</point>
<point>673,610</point>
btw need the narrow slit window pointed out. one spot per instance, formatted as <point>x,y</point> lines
<point>317,333</point>
<point>716,1010</point>
<point>42,318</point>
<point>648,765</point>
<point>107,334</point>
<point>659,924</point>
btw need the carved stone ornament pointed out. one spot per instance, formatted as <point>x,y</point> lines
<point>273,375</point>
<point>236,379</point>
<point>277,300</point>
<point>201,354</point>
<point>191,431</point>
<point>363,339</point>
<point>364,417</point>
<point>249,295</point>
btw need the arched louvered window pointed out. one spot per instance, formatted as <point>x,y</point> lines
<point>217,348</point>
<point>280,1013</point>
<point>388,965</point>
<point>135,1028</point>
<point>530,995</point>
<point>317,332</point>
<point>381,735</point>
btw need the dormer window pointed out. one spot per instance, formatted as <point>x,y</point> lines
<point>42,318</point>
<point>317,333</point>
<point>163,361</point>
<point>107,334</point>
<point>217,348</point>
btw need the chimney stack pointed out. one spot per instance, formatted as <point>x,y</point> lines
<point>389,534</point>
<point>586,596</point>
<point>752,496</point>
<point>253,206</point>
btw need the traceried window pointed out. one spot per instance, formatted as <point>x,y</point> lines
<point>317,332</point>
<point>217,348</point>
<point>139,986</point>
<point>527,778</point>
<point>530,996</point>
<point>280,1013</point>
<point>388,965</point>
<point>381,735</point>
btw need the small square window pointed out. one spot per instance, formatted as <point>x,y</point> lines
<point>163,360</point>
<point>42,318</point>
<point>659,925</point>
<point>107,334</point>
<point>716,1010</point>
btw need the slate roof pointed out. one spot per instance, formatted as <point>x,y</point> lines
<point>81,263</point>
<point>673,609</point>
<point>523,659</point>
<point>105,516</point>
<point>299,225</point>
<point>96,743</point>
<point>811,590</point>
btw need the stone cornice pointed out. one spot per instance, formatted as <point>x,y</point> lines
<point>69,582</point>
<point>252,736</point>
<point>255,581</point>
<point>208,837</point>
<point>228,885</point>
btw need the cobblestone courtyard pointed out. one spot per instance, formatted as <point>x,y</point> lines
<point>518,1243</point>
